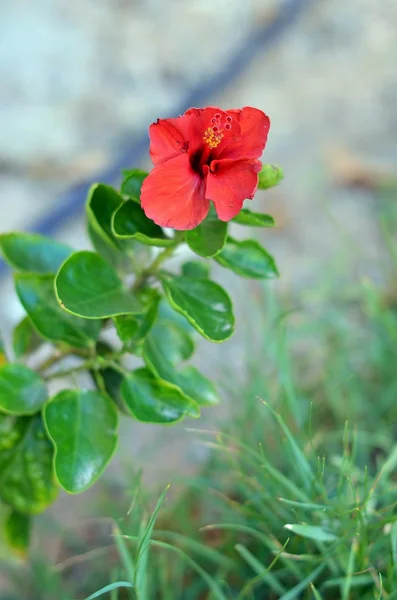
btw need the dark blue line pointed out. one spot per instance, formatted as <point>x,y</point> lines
<point>72,201</point>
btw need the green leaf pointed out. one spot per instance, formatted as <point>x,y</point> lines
<point>83,427</point>
<point>167,313</point>
<point>25,338</point>
<point>3,354</point>
<point>205,305</point>
<point>22,391</point>
<point>164,348</point>
<point>37,296</point>
<point>195,385</point>
<point>130,222</point>
<point>88,287</point>
<point>26,454</point>
<point>133,329</point>
<point>102,202</point>
<point>248,259</point>
<point>127,327</point>
<point>209,237</point>
<point>194,268</point>
<point>132,183</point>
<point>112,380</point>
<point>312,532</point>
<point>32,252</point>
<point>253,219</point>
<point>121,262</point>
<point>169,342</point>
<point>153,400</point>
<point>270,176</point>
<point>17,532</point>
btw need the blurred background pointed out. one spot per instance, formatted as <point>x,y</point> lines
<point>82,81</point>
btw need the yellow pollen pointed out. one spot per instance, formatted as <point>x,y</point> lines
<point>212,138</point>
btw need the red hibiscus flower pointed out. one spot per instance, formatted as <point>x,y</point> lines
<point>206,154</point>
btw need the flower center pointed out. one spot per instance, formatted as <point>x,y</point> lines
<point>214,134</point>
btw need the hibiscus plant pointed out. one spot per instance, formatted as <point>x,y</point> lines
<point>105,331</point>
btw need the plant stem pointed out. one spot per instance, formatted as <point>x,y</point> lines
<point>96,363</point>
<point>158,261</point>
<point>93,363</point>
<point>85,366</point>
<point>117,367</point>
<point>99,381</point>
<point>51,360</point>
<point>58,356</point>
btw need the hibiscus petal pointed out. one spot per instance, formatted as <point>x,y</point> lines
<point>255,127</point>
<point>229,183</point>
<point>167,140</point>
<point>173,195</point>
<point>171,137</point>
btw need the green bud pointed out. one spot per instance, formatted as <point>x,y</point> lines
<point>270,176</point>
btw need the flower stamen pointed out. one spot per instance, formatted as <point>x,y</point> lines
<point>213,137</point>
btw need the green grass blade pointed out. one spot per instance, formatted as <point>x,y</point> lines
<point>142,554</point>
<point>114,594</point>
<point>268,543</point>
<point>257,459</point>
<point>295,591</point>
<point>212,584</point>
<point>305,470</point>
<point>124,553</point>
<point>390,465</point>
<point>393,540</point>
<point>284,481</point>
<point>350,570</point>
<point>356,581</point>
<point>312,532</point>
<point>198,548</point>
<point>109,588</point>
<point>263,573</point>
<point>305,505</point>
<point>380,596</point>
<point>316,593</point>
